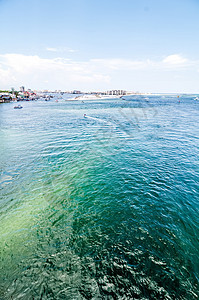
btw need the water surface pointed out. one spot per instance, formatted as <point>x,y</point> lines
<point>103,206</point>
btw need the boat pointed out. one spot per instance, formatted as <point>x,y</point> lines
<point>196,98</point>
<point>18,107</point>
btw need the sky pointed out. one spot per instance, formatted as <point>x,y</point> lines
<point>99,45</point>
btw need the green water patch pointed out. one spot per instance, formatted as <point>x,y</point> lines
<point>17,232</point>
<point>40,218</point>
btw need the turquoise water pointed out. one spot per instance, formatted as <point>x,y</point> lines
<point>103,206</point>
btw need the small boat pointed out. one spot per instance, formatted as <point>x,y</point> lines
<point>18,107</point>
<point>196,98</point>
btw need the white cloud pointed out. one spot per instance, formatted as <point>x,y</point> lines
<point>60,49</point>
<point>175,60</point>
<point>6,77</point>
<point>172,61</point>
<point>37,72</point>
<point>34,71</point>
<point>120,64</point>
<point>52,49</point>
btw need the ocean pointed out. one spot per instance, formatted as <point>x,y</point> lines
<point>99,199</point>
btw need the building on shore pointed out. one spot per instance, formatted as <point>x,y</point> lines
<point>5,97</point>
<point>22,89</point>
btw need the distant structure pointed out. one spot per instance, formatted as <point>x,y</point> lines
<point>22,89</point>
<point>12,89</point>
<point>116,92</point>
<point>76,92</point>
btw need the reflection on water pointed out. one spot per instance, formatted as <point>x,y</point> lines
<point>103,206</point>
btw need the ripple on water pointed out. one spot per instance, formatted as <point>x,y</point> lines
<point>100,208</point>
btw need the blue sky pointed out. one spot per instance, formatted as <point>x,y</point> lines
<point>136,45</point>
